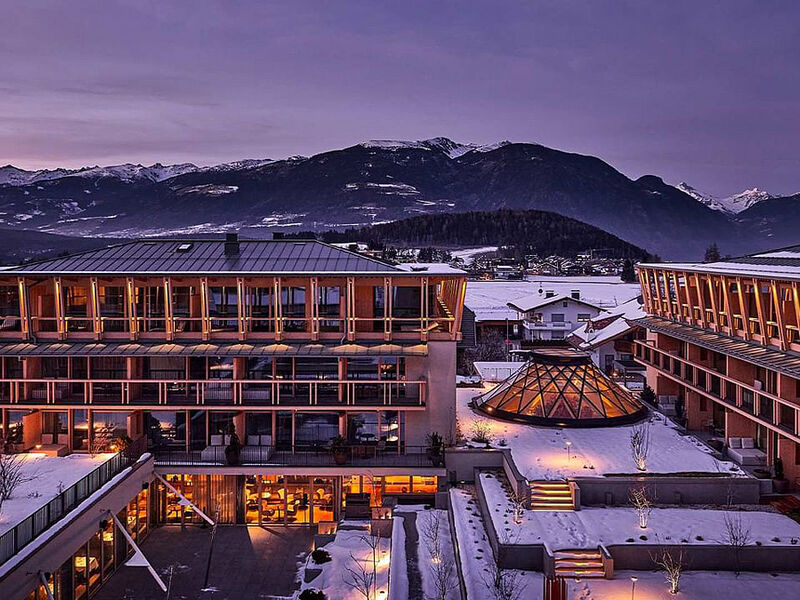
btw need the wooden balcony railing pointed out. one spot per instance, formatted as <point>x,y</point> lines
<point>220,392</point>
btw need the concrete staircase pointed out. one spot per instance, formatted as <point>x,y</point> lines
<point>579,563</point>
<point>551,496</point>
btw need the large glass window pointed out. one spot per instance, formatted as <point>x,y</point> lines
<point>14,425</point>
<point>76,308</point>
<point>95,562</point>
<point>150,307</point>
<point>112,308</point>
<point>80,430</point>
<point>9,308</point>
<point>109,431</point>
<point>223,308</point>
<point>80,571</point>
<point>261,311</point>
<point>55,427</point>
<point>329,300</point>
<point>315,428</point>
<point>166,428</point>
<point>293,308</point>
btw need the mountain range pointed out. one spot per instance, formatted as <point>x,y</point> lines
<point>383,180</point>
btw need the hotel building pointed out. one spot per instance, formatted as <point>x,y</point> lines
<point>723,340</point>
<point>177,345</point>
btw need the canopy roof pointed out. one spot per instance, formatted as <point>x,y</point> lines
<point>561,388</point>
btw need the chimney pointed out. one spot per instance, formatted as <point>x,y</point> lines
<point>231,244</point>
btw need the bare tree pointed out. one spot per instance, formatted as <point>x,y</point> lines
<point>503,584</point>
<point>12,475</point>
<point>517,505</point>
<point>481,431</point>
<point>640,444</point>
<point>359,577</point>
<point>672,564</point>
<point>362,576</point>
<point>442,567</point>
<point>736,535</point>
<point>641,501</point>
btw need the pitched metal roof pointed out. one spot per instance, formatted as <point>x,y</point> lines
<point>769,358</point>
<point>56,349</point>
<point>208,257</point>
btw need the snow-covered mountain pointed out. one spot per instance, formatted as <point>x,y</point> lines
<point>732,204</point>
<point>11,175</point>
<point>446,145</point>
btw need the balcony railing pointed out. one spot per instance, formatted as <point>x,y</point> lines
<point>27,530</point>
<point>221,392</point>
<point>356,456</point>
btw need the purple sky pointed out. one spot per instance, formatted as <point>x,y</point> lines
<point>706,92</point>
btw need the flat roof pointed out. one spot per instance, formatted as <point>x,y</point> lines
<point>783,263</point>
<point>208,257</point>
<point>769,358</point>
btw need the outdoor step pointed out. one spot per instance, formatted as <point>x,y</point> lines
<point>579,564</point>
<point>577,552</point>
<point>586,574</point>
<point>553,495</point>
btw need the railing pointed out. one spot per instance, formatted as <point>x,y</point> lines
<point>27,530</point>
<point>355,456</point>
<point>220,392</point>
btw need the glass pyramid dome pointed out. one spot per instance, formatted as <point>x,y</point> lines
<point>561,387</point>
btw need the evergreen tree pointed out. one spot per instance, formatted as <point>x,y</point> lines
<point>712,253</point>
<point>628,274</point>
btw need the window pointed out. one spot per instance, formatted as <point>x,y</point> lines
<point>9,308</point>
<point>787,417</point>
<point>556,335</point>
<point>565,304</point>
<point>557,318</point>
<point>583,317</point>
<point>293,308</point>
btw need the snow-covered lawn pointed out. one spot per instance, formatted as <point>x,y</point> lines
<point>349,544</point>
<point>695,585</point>
<point>46,475</point>
<point>588,527</point>
<point>476,553</point>
<point>543,453</point>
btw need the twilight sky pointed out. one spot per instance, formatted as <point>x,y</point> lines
<point>701,91</point>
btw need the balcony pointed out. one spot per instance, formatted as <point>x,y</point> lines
<point>222,392</point>
<point>357,456</point>
<point>550,325</point>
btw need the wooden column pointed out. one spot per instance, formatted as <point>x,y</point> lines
<point>424,308</point>
<point>701,300</point>
<point>712,294</point>
<point>241,307</point>
<point>387,308</point>
<point>61,322</point>
<point>762,323</point>
<point>313,303</point>
<point>130,297</point>
<point>94,297</point>
<point>276,282</point>
<point>205,318</point>
<point>350,308</point>
<point>169,324</point>
<point>773,286</point>
<point>24,314</point>
<point>743,309</point>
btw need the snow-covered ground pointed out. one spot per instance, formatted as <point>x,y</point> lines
<point>468,254</point>
<point>543,453</point>
<point>589,527</point>
<point>46,476</point>
<point>335,580</point>
<point>695,585</point>
<point>489,299</point>
<point>476,553</point>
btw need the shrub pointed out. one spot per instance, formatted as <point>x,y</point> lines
<point>320,556</point>
<point>312,594</point>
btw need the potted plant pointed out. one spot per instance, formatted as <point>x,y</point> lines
<point>779,483</point>
<point>435,449</point>
<point>339,450</point>
<point>233,450</point>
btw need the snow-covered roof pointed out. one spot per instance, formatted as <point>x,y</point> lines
<point>489,299</point>
<point>591,335</point>
<point>534,302</point>
<point>783,263</point>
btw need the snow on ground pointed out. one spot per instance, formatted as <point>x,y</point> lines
<point>46,474</point>
<point>695,585</point>
<point>542,452</point>
<point>468,254</point>
<point>426,527</point>
<point>589,527</point>
<point>476,553</point>
<point>334,578</point>
<point>489,299</point>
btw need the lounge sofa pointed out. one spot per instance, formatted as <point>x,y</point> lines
<point>258,449</point>
<point>744,452</point>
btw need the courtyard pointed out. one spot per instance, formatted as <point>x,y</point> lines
<point>247,562</point>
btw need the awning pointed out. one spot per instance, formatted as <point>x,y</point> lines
<point>207,349</point>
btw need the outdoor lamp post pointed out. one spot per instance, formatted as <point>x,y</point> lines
<point>633,587</point>
<point>569,445</point>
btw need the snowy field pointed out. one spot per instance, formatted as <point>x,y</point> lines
<point>468,254</point>
<point>543,453</point>
<point>476,553</point>
<point>589,527</point>
<point>489,299</point>
<point>334,578</point>
<point>45,474</point>
<point>695,585</point>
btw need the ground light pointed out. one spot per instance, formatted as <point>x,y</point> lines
<point>569,445</point>
<point>633,587</point>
